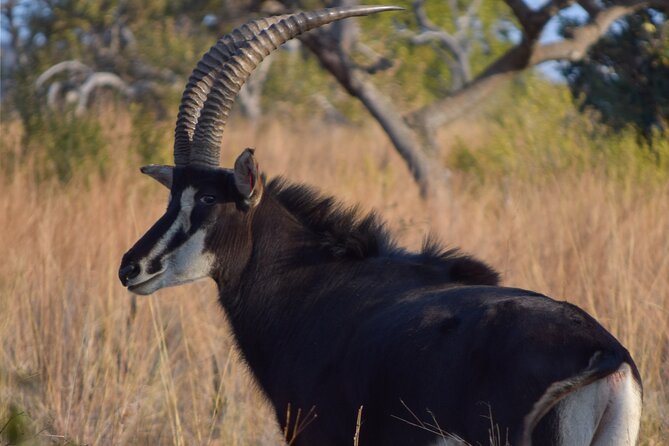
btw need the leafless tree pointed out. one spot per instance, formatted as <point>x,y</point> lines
<point>72,82</point>
<point>412,133</point>
<point>455,47</point>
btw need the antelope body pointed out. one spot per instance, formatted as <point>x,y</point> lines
<point>335,320</point>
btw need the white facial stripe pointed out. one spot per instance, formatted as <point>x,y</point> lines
<point>181,222</point>
<point>187,204</point>
<point>189,262</point>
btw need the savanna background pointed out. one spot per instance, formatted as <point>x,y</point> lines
<point>556,175</point>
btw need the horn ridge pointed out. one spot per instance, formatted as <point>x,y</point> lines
<point>246,57</point>
<point>202,78</point>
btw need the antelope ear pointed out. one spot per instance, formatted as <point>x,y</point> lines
<point>247,177</point>
<point>162,174</point>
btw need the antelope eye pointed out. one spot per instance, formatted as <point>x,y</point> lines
<point>207,199</point>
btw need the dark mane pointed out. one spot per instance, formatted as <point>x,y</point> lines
<point>460,267</point>
<point>341,230</point>
<point>346,233</point>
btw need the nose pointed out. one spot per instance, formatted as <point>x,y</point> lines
<point>128,272</point>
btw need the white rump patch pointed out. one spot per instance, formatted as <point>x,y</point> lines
<point>449,441</point>
<point>606,412</point>
<point>580,413</point>
<point>621,420</point>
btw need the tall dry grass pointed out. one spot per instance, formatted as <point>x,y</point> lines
<point>82,360</point>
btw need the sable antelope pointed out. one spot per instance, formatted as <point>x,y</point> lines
<point>331,315</point>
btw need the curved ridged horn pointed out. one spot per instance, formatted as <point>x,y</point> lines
<point>245,57</point>
<point>201,79</point>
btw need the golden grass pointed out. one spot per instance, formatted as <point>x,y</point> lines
<point>89,363</point>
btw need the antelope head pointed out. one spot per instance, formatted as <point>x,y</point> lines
<point>208,203</point>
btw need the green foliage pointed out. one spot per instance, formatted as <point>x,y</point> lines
<point>625,78</point>
<point>156,42</point>
<point>534,131</point>
<point>152,41</point>
<point>417,76</point>
<point>17,428</point>
<point>172,45</point>
<point>20,430</point>
<point>151,136</point>
<point>61,141</point>
<point>282,95</point>
<point>420,74</point>
<point>160,41</point>
<point>465,160</point>
<point>70,143</point>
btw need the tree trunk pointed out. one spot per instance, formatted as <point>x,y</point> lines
<point>424,171</point>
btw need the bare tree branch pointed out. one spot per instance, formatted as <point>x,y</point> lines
<point>356,83</point>
<point>521,11</point>
<point>455,105</point>
<point>448,42</point>
<point>457,43</point>
<point>411,133</point>
<point>464,23</point>
<point>575,48</point>
<point>592,7</point>
<point>99,80</point>
<point>527,53</point>
<point>81,82</point>
<point>534,21</point>
<point>377,62</point>
<point>70,66</point>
